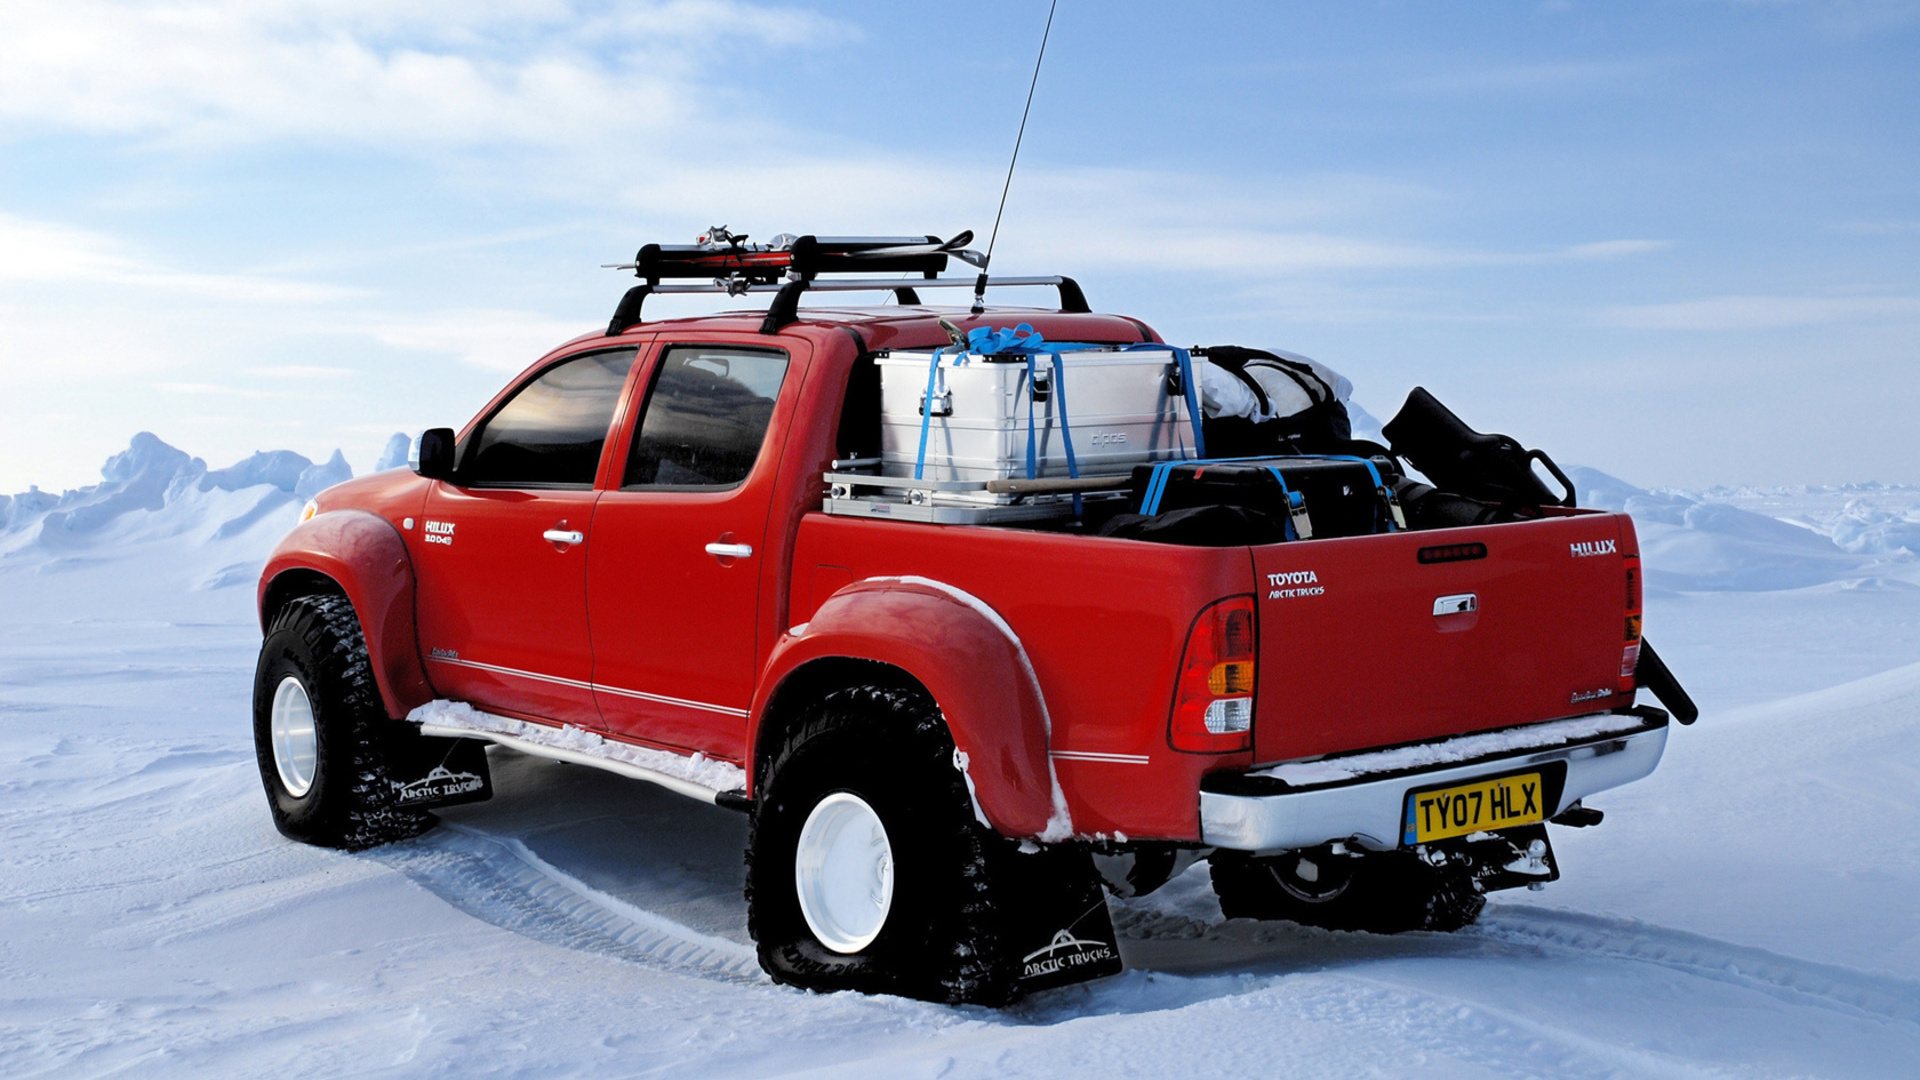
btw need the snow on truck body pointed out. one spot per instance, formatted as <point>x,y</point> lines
<point>714,614</point>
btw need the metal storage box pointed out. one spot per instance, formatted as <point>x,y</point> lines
<point>1118,409</point>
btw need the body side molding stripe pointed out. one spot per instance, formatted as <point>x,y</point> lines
<point>725,710</point>
<point>1089,755</point>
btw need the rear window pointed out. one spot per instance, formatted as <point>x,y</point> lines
<point>706,417</point>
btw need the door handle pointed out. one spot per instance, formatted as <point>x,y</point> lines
<point>563,536</point>
<point>730,551</point>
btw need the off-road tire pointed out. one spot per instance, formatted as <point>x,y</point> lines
<point>350,802</point>
<point>942,936</point>
<point>1379,892</point>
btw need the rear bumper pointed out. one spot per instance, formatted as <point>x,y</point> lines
<point>1361,797</point>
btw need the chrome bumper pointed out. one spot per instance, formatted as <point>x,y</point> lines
<point>1274,816</point>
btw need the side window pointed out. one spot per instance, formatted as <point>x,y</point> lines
<point>549,434</point>
<point>706,417</point>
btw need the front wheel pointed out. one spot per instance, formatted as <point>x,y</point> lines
<point>320,731</point>
<point>865,867</point>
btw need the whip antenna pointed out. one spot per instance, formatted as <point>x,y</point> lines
<point>980,283</point>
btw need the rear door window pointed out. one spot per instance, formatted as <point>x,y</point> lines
<point>550,433</point>
<point>706,417</point>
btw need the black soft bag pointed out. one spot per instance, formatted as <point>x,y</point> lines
<point>1199,526</point>
<point>1462,461</point>
<point>1322,428</point>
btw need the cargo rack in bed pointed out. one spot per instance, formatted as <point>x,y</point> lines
<point>962,502</point>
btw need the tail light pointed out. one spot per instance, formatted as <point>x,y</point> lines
<point>1630,651</point>
<point>1213,702</point>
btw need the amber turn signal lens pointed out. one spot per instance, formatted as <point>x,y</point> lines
<point>1226,680</point>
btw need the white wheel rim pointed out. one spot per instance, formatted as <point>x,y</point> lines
<point>843,871</point>
<point>295,745</point>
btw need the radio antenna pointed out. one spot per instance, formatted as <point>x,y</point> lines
<point>980,283</point>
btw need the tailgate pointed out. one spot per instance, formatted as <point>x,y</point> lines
<point>1353,654</point>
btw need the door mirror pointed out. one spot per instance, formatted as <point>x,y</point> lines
<point>432,454</point>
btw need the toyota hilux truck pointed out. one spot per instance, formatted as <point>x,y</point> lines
<point>652,552</point>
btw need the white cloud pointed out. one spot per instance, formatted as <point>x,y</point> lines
<point>34,252</point>
<point>496,340</point>
<point>300,371</point>
<point>423,73</point>
<point>1614,249</point>
<point>1762,312</point>
<point>1250,251</point>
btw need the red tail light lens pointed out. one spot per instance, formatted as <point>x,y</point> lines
<point>1213,703</point>
<point>1630,650</point>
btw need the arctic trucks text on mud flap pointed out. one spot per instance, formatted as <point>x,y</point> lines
<point>763,560</point>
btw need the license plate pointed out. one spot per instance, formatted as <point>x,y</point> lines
<point>1478,806</point>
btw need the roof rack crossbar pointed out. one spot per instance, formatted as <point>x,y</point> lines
<point>786,304</point>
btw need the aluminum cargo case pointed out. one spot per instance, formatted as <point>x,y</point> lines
<point>1118,410</point>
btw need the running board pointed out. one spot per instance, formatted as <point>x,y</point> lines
<point>590,749</point>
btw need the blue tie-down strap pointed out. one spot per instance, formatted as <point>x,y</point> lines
<point>926,413</point>
<point>1157,490</point>
<point>1066,429</point>
<point>1296,505</point>
<point>1024,340</point>
<point>1032,471</point>
<point>1020,339</point>
<point>1395,520</point>
<point>1156,487</point>
<point>1185,363</point>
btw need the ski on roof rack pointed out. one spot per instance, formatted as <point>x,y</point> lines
<point>721,253</point>
<point>789,264</point>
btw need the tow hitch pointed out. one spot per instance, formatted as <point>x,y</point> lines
<point>1508,859</point>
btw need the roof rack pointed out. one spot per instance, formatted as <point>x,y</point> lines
<point>788,266</point>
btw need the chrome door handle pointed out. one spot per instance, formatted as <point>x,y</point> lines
<point>730,551</point>
<point>562,536</point>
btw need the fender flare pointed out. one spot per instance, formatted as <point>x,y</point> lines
<point>974,666</point>
<point>364,555</point>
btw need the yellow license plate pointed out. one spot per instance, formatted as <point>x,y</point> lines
<point>1480,806</point>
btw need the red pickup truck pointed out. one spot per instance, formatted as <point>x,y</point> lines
<point>948,736</point>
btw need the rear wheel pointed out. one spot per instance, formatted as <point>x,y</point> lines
<point>320,731</point>
<point>1381,892</point>
<point>866,869</point>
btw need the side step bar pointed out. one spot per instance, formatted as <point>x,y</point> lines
<point>585,748</point>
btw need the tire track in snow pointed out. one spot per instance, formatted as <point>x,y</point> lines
<point>1785,978</point>
<point>1802,983</point>
<point>500,880</point>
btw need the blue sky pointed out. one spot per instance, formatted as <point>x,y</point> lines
<point>1674,241</point>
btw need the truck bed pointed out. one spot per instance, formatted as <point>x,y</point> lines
<point>1351,652</point>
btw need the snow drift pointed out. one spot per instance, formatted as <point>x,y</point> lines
<point>162,508</point>
<point>1706,542</point>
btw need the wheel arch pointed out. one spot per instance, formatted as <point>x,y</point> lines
<point>361,556</point>
<point>937,640</point>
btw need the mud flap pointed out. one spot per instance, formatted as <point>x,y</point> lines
<point>428,772</point>
<point>1056,919</point>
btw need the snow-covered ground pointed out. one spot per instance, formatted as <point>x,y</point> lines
<point>1753,909</point>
